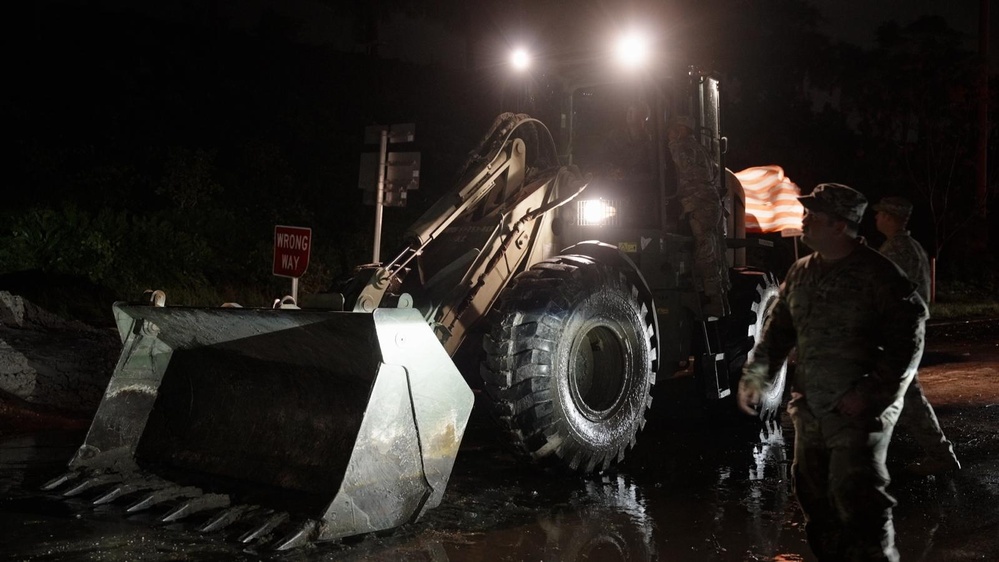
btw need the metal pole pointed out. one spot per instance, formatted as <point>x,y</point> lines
<point>982,148</point>
<point>294,289</point>
<point>380,197</point>
<point>933,280</point>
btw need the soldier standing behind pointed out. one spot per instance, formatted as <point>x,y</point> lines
<point>918,416</point>
<point>859,327</point>
<point>891,218</point>
<point>696,174</point>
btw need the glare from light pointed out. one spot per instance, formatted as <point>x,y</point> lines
<point>520,59</point>
<point>632,50</point>
<point>595,212</point>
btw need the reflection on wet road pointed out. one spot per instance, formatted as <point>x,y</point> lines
<point>700,486</point>
<point>691,490</point>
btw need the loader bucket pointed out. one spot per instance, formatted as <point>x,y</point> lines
<point>349,420</point>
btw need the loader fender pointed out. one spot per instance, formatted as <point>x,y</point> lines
<point>610,255</point>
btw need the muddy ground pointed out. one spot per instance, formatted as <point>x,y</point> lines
<point>699,486</point>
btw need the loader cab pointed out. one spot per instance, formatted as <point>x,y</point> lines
<point>614,137</point>
<point>617,134</point>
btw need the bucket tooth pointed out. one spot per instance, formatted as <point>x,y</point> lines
<point>227,517</point>
<point>93,482</point>
<point>161,496</point>
<point>122,490</point>
<point>266,527</point>
<point>202,503</point>
<point>300,537</point>
<point>59,481</point>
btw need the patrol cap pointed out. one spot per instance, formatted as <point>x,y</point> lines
<point>897,206</point>
<point>836,199</point>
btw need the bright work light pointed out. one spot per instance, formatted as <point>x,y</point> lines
<point>520,59</point>
<point>632,50</point>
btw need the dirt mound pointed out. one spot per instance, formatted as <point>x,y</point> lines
<point>50,367</point>
<point>67,296</point>
<point>17,312</point>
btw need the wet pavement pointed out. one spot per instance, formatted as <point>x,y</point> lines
<point>702,485</point>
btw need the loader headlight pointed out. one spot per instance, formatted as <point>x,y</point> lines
<point>520,59</point>
<point>596,212</point>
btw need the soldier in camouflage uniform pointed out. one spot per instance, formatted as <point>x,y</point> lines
<point>858,325</point>
<point>918,417</point>
<point>697,175</point>
<point>891,218</point>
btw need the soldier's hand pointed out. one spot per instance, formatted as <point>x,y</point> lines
<point>749,397</point>
<point>852,404</point>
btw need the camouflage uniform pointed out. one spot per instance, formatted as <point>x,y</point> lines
<point>696,174</point>
<point>918,417</point>
<point>910,256</point>
<point>858,325</point>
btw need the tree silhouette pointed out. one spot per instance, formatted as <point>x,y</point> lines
<point>912,98</point>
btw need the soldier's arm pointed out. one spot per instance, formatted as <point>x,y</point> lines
<point>902,317</point>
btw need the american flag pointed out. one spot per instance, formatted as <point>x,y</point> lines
<point>771,201</point>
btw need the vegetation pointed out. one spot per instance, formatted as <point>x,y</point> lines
<point>158,154</point>
<point>967,292</point>
<point>965,310</point>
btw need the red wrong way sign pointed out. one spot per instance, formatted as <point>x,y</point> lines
<point>291,250</point>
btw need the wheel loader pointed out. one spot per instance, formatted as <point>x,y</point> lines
<point>342,414</point>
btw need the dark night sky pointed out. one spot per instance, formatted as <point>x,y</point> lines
<point>853,21</point>
<point>420,40</point>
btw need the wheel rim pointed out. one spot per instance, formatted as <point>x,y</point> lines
<point>597,367</point>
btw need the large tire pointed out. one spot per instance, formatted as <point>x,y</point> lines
<point>568,367</point>
<point>753,293</point>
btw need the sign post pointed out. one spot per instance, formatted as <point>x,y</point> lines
<point>380,195</point>
<point>390,176</point>
<point>292,246</point>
